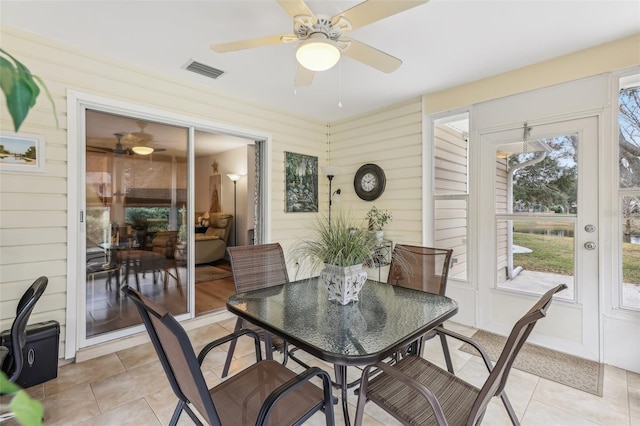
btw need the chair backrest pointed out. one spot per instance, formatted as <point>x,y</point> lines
<point>420,268</point>
<point>259,266</point>
<point>498,377</point>
<point>19,327</point>
<point>176,355</point>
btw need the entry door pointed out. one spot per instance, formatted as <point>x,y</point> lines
<point>538,228</point>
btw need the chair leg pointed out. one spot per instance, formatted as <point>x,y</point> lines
<point>232,348</point>
<point>447,354</point>
<point>509,408</point>
<point>268,347</point>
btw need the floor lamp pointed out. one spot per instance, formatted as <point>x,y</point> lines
<point>234,178</point>
<point>331,171</point>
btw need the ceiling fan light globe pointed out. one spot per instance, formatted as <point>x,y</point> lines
<point>142,150</point>
<point>318,54</point>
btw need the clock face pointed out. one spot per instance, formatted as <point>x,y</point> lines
<point>369,182</point>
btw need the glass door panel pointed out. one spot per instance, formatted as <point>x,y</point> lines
<point>536,187</point>
<point>136,218</point>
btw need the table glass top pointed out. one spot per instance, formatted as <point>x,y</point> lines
<point>359,333</point>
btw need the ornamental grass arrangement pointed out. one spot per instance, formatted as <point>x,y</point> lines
<point>337,241</point>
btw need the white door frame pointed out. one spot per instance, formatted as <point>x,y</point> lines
<point>77,102</point>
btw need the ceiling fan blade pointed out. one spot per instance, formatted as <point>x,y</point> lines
<point>295,7</point>
<point>304,77</point>
<point>370,56</point>
<point>374,10</point>
<point>98,149</point>
<point>250,43</point>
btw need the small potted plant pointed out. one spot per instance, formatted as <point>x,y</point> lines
<point>339,249</point>
<point>377,219</point>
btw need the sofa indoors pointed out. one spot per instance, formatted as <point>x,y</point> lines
<point>212,244</point>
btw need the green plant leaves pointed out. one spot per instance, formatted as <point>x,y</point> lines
<point>28,411</point>
<point>20,89</point>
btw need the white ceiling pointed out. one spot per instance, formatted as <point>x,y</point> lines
<point>443,43</point>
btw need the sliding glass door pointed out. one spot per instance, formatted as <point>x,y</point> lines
<point>136,218</point>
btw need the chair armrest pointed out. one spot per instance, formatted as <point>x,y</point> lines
<point>485,356</point>
<point>233,336</point>
<point>408,381</point>
<point>290,386</point>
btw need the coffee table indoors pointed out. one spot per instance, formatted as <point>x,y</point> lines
<point>385,318</point>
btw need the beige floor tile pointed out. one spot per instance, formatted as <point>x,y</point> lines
<point>541,414</point>
<point>496,414</point>
<point>138,355</point>
<point>204,335</point>
<point>610,409</point>
<point>70,406</point>
<point>129,385</point>
<point>433,352</point>
<point>89,371</point>
<point>134,413</point>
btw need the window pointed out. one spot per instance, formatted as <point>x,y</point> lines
<point>629,191</point>
<point>451,190</point>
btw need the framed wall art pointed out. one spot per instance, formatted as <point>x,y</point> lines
<point>21,152</point>
<point>301,183</point>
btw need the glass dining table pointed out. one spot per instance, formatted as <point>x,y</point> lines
<point>385,319</point>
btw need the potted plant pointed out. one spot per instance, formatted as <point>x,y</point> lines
<point>339,249</point>
<point>378,219</point>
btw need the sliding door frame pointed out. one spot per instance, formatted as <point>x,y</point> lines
<point>77,104</point>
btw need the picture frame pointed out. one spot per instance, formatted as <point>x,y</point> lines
<point>301,183</point>
<point>22,152</point>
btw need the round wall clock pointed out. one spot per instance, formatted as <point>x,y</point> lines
<point>369,182</point>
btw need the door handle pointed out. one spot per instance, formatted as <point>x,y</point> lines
<point>590,245</point>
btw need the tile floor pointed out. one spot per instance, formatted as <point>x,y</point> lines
<point>130,388</point>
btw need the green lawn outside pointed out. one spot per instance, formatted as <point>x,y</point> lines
<point>555,254</point>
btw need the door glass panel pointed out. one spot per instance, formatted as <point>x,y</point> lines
<point>629,180</point>
<point>136,226</point>
<point>630,252</point>
<point>536,187</point>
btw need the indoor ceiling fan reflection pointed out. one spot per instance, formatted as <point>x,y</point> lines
<point>321,40</point>
<point>118,150</point>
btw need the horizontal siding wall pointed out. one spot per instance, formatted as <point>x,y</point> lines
<point>392,139</point>
<point>33,207</point>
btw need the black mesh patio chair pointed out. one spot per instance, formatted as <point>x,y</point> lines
<point>12,360</point>
<point>265,393</point>
<point>417,392</point>
<point>425,269</point>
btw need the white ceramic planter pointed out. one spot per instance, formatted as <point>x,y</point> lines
<point>343,283</point>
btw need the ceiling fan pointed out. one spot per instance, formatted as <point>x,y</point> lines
<point>321,40</point>
<point>141,149</point>
<point>119,149</point>
<point>142,140</point>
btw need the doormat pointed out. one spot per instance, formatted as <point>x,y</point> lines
<point>211,273</point>
<point>569,370</point>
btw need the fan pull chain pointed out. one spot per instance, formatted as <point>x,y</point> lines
<point>340,84</point>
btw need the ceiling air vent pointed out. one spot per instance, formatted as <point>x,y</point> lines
<point>203,69</point>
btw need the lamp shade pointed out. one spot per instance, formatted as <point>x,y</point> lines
<point>318,54</point>
<point>142,150</point>
<point>234,177</point>
<point>330,170</point>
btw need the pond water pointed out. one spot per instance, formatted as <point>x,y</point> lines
<point>14,160</point>
<point>554,232</point>
<point>635,239</point>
